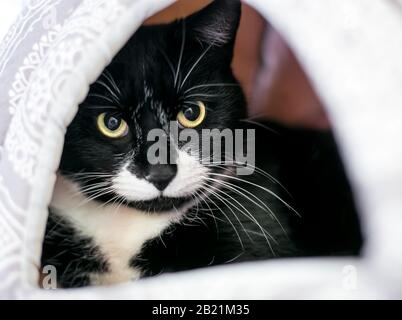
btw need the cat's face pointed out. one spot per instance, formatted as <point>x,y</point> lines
<point>178,73</point>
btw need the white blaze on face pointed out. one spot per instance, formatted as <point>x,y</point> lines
<point>189,178</point>
<point>132,188</point>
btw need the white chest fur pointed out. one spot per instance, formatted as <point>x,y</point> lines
<point>119,232</point>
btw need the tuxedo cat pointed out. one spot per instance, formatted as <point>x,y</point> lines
<point>116,217</point>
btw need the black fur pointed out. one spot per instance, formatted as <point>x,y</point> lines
<point>74,256</point>
<point>308,164</point>
<point>144,71</point>
<point>145,62</point>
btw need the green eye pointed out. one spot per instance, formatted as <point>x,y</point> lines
<point>192,116</point>
<point>112,126</point>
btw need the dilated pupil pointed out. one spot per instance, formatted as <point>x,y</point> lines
<point>112,123</point>
<point>192,113</point>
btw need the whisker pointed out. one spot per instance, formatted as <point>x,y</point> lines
<point>228,205</point>
<point>230,221</point>
<point>264,207</point>
<point>233,187</point>
<point>195,64</point>
<point>102,107</point>
<point>201,95</point>
<point>112,93</point>
<point>110,78</point>
<point>91,188</point>
<point>96,195</point>
<point>251,217</point>
<point>211,86</point>
<point>183,44</point>
<point>210,213</point>
<point>169,62</point>
<point>257,169</point>
<point>260,125</point>
<point>234,259</point>
<point>99,96</point>
<point>262,188</point>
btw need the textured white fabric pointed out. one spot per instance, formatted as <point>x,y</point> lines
<point>56,48</point>
<point>9,10</point>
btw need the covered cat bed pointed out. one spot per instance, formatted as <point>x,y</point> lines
<point>57,48</point>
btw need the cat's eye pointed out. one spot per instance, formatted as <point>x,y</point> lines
<point>112,126</point>
<point>192,115</point>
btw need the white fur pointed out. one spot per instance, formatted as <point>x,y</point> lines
<point>190,176</point>
<point>119,231</point>
<point>132,188</point>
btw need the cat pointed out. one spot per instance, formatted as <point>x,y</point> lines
<point>115,217</point>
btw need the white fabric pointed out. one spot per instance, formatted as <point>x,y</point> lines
<point>56,48</point>
<point>9,10</point>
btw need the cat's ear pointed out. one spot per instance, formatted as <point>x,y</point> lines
<point>217,23</point>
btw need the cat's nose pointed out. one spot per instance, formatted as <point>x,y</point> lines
<point>161,175</point>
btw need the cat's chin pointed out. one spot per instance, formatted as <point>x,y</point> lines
<point>162,205</point>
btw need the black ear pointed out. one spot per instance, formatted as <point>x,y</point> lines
<point>217,23</point>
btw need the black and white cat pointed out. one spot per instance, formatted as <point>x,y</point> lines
<point>114,216</point>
